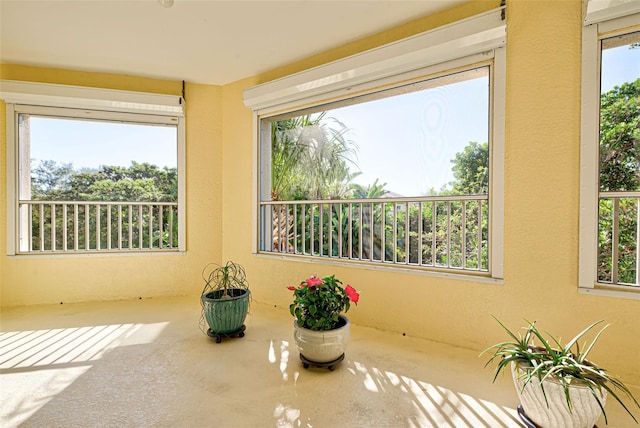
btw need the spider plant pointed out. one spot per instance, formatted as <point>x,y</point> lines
<point>564,364</point>
<point>226,278</point>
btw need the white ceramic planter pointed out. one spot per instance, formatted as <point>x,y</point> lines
<point>322,346</point>
<point>584,414</point>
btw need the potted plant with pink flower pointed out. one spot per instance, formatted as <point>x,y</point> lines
<point>321,331</point>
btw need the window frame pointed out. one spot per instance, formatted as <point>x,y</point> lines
<point>101,104</point>
<point>599,24</point>
<point>304,90</point>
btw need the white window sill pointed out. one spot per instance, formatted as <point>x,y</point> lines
<point>622,292</point>
<point>455,275</point>
<point>82,254</point>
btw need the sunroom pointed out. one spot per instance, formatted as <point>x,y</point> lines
<point>453,160</point>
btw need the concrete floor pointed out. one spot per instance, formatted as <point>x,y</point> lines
<point>147,363</point>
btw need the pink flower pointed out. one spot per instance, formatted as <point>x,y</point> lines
<point>313,281</point>
<point>354,296</point>
<point>291,288</point>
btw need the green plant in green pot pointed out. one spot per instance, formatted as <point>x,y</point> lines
<point>225,300</point>
<point>321,332</point>
<point>556,385</point>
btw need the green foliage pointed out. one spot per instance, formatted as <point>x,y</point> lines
<point>366,231</point>
<point>619,171</point>
<point>230,276</point>
<point>141,236</point>
<point>318,302</point>
<point>49,179</point>
<point>372,191</point>
<point>310,159</point>
<point>471,170</point>
<point>286,155</point>
<point>141,182</point>
<point>568,364</point>
<point>627,243</point>
<point>456,246</point>
<point>620,138</point>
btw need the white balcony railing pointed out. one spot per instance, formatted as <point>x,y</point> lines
<point>619,238</point>
<point>447,232</point>
<point>97,226</point>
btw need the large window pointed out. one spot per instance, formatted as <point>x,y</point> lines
<point>94,181</point>
<point>405,174</point>
<point>610,197</point>
<point>396,176</point>
<point>619,158</point>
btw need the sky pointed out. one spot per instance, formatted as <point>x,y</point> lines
<point>407,141</point>
<point>65,141</point>
<point>619,65</point>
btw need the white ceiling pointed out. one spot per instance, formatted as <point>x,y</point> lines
<point>200,41</point>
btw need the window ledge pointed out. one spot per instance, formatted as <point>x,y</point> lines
<point>621,292</point>
<point>96,254</point>
<point>391,268</point>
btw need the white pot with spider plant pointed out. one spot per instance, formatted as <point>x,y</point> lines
<point>225,300</point>
<point>556,385</point>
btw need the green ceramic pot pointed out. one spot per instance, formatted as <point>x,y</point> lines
<point>226,315</point>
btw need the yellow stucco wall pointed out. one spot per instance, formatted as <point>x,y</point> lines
<point>541,207</point>
<point>29,280</point>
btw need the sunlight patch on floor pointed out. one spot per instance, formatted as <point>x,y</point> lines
<point>280,357</point>
<point>417,402</point>
<point>286,416</point>
<point>46,362</point>
<point>435,405</point>
<point>43,386</point>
